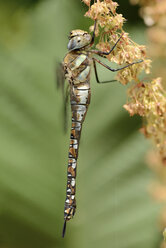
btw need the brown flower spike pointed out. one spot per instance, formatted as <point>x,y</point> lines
<point>110,28</point>
<point>154,14</point>
<point>147,99</point>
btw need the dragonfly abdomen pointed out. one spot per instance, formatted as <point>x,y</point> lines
<point>80,99</point>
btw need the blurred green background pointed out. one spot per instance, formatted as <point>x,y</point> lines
<point>114,207</point>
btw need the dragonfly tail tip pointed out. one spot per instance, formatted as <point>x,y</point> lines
<point>64,229</point>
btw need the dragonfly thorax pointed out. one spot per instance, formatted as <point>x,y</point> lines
<point>78,39</point>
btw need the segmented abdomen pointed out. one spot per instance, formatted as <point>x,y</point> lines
<point>80,99</point>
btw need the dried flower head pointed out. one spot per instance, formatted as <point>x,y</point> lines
<point>164,234</point>
<point>110,28</point>
<point>87,2</point>
<point>148,99</point>
<point>154,12</point>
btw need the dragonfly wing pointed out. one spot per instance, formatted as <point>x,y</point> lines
<point>66,108</point>
<point>60,82</point>
<point>60,77</point>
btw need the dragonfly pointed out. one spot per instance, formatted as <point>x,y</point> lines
<point>76,69</point>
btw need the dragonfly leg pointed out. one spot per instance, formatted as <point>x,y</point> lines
<point>100,53</point>
<point>93,35</point>
<point>96,75</point>
<point>118,69</point>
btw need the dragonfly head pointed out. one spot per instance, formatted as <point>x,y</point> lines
<point>78,39</point>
